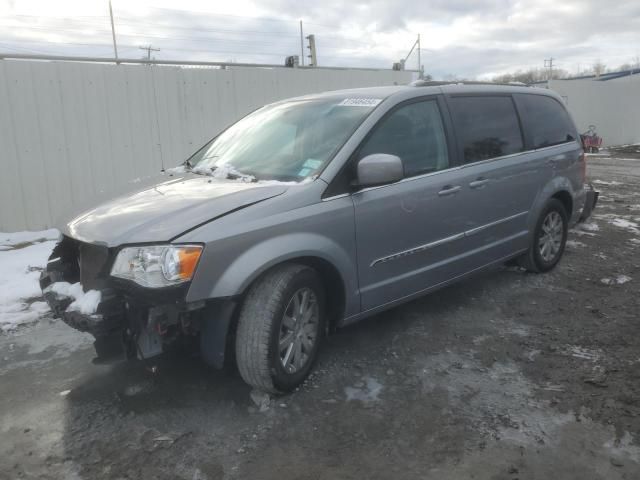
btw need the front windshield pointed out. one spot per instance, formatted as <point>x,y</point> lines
<point>286,142</point>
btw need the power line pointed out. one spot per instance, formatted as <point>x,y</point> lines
<point>248,44</point>
<point>175,49</point>
<point>105,29</point>
<point>128,29</point>
<point>21,49</point>
<point>267,19</point>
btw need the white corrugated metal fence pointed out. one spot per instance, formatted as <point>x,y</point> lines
<point>613,106</point>
<point>71,130</point>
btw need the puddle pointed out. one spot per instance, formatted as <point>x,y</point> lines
<point>366,391</point>
<point>39,344</point>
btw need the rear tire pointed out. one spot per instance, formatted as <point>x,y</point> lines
<point>280,328</point>
<point>549,239</point>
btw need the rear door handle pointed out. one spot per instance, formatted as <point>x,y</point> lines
<point>449,190</point>
<point>479,182</point>
<point>556,158</point>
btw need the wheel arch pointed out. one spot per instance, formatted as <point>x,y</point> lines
<point>330,277</point>
<point>334,264</point>
<point>560,188</point>
<point>566,199</point>
<point>217,338</point>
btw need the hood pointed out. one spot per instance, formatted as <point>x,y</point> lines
<point>163,207</point>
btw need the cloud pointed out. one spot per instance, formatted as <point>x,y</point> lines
<point>464,38</point>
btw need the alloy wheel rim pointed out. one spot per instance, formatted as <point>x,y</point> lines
<point>298,330</point>
<point>550,239</point>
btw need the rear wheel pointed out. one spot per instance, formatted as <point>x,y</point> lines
<point>280,328</point>
<point>549,239</point>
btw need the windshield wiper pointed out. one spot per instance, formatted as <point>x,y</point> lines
<point>235,175</point>
<point>225,172</point>
<point>229,173</point>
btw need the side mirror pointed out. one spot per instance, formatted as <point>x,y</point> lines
<point>379,169</point>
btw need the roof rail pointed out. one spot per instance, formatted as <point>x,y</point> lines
<point>433,83</point>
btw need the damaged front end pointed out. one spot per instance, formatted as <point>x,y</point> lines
<point>128,321</point>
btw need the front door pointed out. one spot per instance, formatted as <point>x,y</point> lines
<point>409,233</point>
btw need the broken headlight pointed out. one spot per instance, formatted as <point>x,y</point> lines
<point>157,266</point>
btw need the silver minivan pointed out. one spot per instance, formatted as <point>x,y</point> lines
<point>315,212</point>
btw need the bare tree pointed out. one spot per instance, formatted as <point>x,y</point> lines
<point>531,75</point>
<point>598,68</point>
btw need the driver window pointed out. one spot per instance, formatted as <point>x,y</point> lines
<point>415,133</point>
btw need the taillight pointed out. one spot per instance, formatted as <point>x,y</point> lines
<point>583,166</point>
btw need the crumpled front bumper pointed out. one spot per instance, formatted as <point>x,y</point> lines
<point>131,321</point>
<point>106,325</point>
<point>110,314</point>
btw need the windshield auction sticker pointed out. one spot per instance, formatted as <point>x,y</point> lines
<point>360,102</point>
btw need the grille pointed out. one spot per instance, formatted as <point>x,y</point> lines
<point>92,261</point>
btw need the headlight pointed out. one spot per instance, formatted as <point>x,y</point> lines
<point>157,266</point>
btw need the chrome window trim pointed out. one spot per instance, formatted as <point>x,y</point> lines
<point>517,154</point>
<point>460,167</point>
<point>335,197</point>
<point>442,241</point>
<point>410,179</point>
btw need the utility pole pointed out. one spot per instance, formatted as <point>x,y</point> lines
<point>421,74</point>
<point>301,45</point>
<point>415,44</point>
<point>312,50</point>
<point>149,50</point>
<point>548,63</point>
<point>113,33</point>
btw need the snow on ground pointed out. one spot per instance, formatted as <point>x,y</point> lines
<point>22,256</point>
<point>10,240</point>
<point>603,182</point>
<point>626,224</point>
<point>618,280</point>
<point>589,227</point>
<point>575,243</point>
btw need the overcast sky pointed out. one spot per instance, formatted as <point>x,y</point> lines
<point>464,38</point>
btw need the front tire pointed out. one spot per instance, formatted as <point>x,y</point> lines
<point>549,239</point>
<point>280,328</point>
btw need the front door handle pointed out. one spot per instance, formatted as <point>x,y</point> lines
<point>449,190</point>
<point>479,182</point>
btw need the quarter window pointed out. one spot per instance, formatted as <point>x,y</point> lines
<point>487,126</point>
<point>415,133</point>
<point>545,120</point>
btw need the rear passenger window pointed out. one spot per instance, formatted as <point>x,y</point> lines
<point>487,127</point>
<point>413,132</point>
<point>545,121</point>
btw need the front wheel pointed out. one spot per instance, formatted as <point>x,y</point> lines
<point>280,327</point>
<point>549,239</point>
